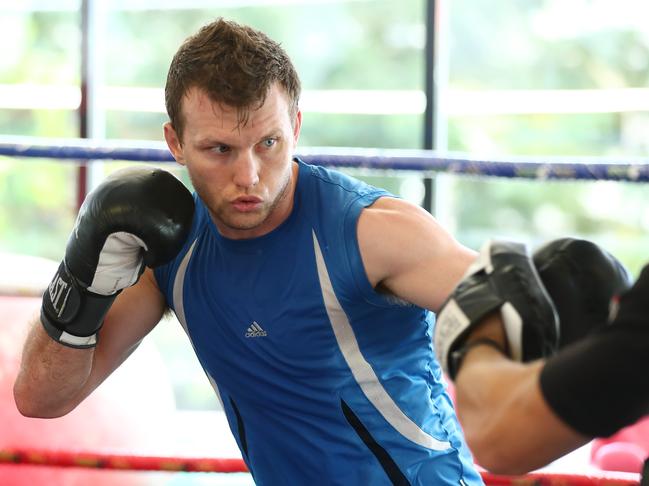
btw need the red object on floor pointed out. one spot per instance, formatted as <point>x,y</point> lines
<point>625,450</point>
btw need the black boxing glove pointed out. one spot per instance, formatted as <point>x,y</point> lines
<point>504,279</point>
<point>136,217</point>
<point>582,279</point>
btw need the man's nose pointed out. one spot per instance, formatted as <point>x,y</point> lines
<point>246,170</point>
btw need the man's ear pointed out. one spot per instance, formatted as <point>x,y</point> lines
<point>297,125</point>
<point>173,142</point>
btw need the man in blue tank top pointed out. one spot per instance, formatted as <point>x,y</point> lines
<point>306,294</point>
<point>308,315</point>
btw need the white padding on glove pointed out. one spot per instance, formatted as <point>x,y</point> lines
<point>120,263</point>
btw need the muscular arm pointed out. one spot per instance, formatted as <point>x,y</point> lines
<point>507,423</point>
<point>407,253</point>
<point>53,379</point>
<point>519,417</point>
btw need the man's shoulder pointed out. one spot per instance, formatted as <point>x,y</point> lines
<point>330,180</point>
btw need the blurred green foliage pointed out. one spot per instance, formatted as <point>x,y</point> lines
<point>537,45</point>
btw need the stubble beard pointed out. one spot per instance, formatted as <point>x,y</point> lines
<point>234,221</point>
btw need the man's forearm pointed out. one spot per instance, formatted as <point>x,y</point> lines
<point>51,376</point>
<point>508,425</point>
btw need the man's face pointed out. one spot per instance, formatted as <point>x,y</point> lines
<point>243,173</point>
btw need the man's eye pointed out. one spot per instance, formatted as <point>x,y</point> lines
<point>220,149</point>
<point>269,142</point>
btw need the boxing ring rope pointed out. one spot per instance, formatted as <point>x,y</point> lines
<point>124,462</point>
<point>583,168</point>
<point>540,168</point>
<point>88,459</point>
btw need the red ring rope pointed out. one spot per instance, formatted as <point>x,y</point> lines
<point>89,459</point>
<point>100,460</point>
<point>554,479</point>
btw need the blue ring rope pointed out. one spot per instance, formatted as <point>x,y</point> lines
<point>541,168</point>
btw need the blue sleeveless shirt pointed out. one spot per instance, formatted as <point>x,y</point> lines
<point>322,379</point>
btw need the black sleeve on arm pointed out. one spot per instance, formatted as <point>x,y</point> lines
<point>601,383</point>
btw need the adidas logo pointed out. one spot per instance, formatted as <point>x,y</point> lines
<point>255,330</point>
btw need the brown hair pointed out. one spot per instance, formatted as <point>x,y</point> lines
<point>235,65</point>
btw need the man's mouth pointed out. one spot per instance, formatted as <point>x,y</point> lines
<point>246,204</point>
